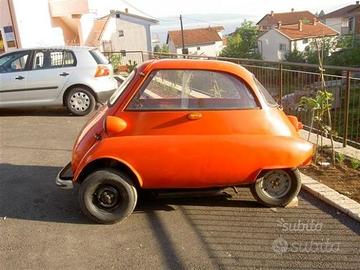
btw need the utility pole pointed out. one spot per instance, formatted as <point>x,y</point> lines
<point>184,51</point>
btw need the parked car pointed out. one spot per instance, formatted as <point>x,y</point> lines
<point>185,124</point>
<point>75,77</point>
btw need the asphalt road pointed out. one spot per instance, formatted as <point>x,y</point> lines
<point>41,227</point>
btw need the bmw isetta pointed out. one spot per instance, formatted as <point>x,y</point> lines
<point>185,124</point>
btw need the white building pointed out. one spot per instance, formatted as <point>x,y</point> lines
<point>345,20</point>
<point>119,31</point>
<point>277,42</point>
<point>200,41</point>
<point>25,24</point>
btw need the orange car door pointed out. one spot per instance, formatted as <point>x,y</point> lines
<point>184,128</point>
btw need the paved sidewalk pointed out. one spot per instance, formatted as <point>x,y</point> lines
<point>347,151</point>
<point>332,197</point>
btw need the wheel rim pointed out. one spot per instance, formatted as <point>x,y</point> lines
<point>107,197</point>
<point>276,184</point>
<point>80,101</point>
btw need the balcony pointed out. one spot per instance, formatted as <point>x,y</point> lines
<point>62,8</point>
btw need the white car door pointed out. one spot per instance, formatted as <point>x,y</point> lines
<point>49,73</point>
<point>13,77</point>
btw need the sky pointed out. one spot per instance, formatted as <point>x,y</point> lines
<point>254,8</point>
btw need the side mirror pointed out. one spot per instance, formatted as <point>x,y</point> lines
<point>114,125</point>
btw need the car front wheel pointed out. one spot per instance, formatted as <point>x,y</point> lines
<point>107,196</point>
<point>277,187</point>
<point>80,101</point>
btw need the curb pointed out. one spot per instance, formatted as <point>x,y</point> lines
<point>330,196</point>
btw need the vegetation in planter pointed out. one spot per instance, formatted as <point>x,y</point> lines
<point>131,65</point>
<point>115,60</point>
<point>320,105</point>
<point>355,163</point>
<point>340,158</point>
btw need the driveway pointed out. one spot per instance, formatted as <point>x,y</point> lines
<point>41,227</point>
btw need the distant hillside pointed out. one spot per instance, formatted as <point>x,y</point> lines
<point>229,21</point>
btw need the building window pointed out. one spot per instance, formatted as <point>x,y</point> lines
<point>282,47</point>
<point>351,24</point>
<point>305,41</point>
<point>198,48</point>
<point>121,33</point>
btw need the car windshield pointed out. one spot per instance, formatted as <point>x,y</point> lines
<point>121,88</point>
<point>265,93</point>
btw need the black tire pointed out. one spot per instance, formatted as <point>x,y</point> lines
<point>104,183</point>
<point>80,101</point>
<point>291,191</point>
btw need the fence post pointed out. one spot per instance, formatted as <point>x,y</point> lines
<point>281,83</point>
<point>346,109</point>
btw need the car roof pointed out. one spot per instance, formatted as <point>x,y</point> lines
<point>73,48</point>
<point>199,64</point>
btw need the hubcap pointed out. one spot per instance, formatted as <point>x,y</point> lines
<point>107,196</point>
<point>276,184</point>
<point>80,101</point>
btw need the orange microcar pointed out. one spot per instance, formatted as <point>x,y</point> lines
<point>185,124</point>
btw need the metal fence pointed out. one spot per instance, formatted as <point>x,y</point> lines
<point>288,82</point>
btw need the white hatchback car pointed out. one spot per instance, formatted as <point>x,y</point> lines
<point>75,77</point>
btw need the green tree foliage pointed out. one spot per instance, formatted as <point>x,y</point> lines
<point>243,42</point>
<point>161,52</point>
<point>295,56</point>
<point>340,51</point>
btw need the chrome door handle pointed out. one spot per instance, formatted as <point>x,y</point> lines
<point>64,74</point>
<point>19,78</point>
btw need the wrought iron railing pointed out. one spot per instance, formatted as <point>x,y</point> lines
<point>288,82</point>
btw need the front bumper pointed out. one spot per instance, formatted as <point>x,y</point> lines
<point>65,177</point>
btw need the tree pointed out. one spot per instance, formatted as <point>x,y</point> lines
<point>295,56</point>
<point>163,49</point>
<point>161,52</point>
<point>243,42</point>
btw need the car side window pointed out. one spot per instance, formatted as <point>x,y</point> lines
<point>39,60</point>
<point>193,89</point>
<point>14,62</point>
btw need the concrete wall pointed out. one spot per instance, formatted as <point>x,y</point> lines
<point>31,31</point>
<point>208,50</point>
<point>337,24</point>
<point>136,34</point>
<point>269,45</point>
<point>5,20</point>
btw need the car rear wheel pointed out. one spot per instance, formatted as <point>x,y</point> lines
<point>277,187</point>
<point>80,101</point>
<point>107,196</point>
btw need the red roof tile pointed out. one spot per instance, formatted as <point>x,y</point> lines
<point>343,12</point>
<point>285,18</point>
<point>197,36</point>
<point>308,31</point>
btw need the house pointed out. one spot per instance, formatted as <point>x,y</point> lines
<point>275,43</point>
<point>345,20</point>
<point>199,41</point>
<point>287,18</point>
<point>68,22</point>
<point>121,31</point>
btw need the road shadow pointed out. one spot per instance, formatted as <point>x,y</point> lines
<point>42,111</point>
<point>29,193</point>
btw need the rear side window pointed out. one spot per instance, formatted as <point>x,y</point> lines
<point>193,89</point>
<point>46,59</point>
<point>99,57</point>
<point>265,93</point>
